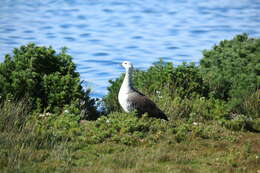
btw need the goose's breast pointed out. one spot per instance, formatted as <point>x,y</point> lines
<point>124,102</point>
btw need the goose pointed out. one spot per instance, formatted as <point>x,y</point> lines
<point>130,99</point>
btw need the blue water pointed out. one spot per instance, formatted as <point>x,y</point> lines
<point>102,33</point>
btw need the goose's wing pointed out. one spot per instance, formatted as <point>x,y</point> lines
<point>143,104</point>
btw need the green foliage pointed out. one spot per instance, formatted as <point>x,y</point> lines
<point>47,79</point>
<point>232,72</point>
<point>123,128</point>
<point>120,142</point>
<point>51,129</point>
<point>183,80</point>
<point>232,69</point>
<point>192,109</point>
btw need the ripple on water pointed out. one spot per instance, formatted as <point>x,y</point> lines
<point>138,37</point>
<point>11,42</point>
<point>29,38</point>
<point>172,48</point>
<point>81,26</point>
<point>87,71</point>
<point>28,31</point>
<point>85,35</point>
<point>106,10</point>
<point>136,17</point>
<point>173,32</point>
<point>149,11</point>
<point>103,62</point>
<point>69,38</point>
<point>118,60</point>
<point>183,55</point>
<point>198,31</point>
<point>100,54</point>
<point>14,37</point>
<point>82,68</point>
<point>172,13</point>
<point>131,47</point>
<point>102,74</point>
<point>118,3</point>
<point>50,35</point>
<point>70,10</point>
<point>95,41</point>
<point>81,17</point>
<point>65,26</point>
<point>7,30</point>
<point>46,28</point>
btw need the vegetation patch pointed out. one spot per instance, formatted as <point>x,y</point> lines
<point>46,79</point>
<point>48,122</point>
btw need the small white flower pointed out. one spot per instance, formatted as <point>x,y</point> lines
<point>107,121</point>
<point>48,114</point>
<point>202,98</point>
<point>42,115</point>
<point>195,123</point>
<point>257,157</point>
<point>66,111</point>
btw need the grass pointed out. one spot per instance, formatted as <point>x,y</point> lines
<point>193,155</point>
<point>122,143</point>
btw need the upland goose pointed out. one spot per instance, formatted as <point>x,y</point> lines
<point>131,99</point>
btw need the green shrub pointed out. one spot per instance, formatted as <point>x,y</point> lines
<point>47,79</point>
<point>48,130</point>
<point>232,69</point>
<point>123,128</point>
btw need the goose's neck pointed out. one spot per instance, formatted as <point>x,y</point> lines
<point>127,83</point>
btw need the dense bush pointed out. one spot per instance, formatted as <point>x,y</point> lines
<point>49,129</point>
<point>124,129</point>
<point>47,79</point>
<point>232,70</point>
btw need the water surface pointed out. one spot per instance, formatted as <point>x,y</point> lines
<point>102,33</point>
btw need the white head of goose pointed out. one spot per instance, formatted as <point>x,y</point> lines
<point>130,99</point>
